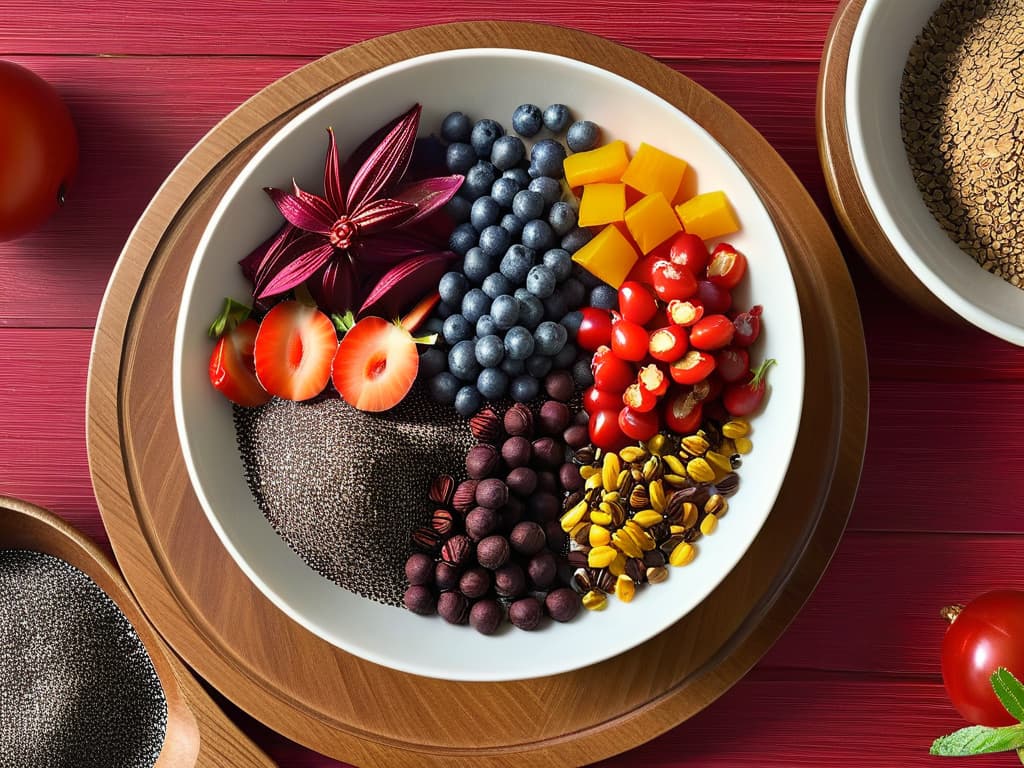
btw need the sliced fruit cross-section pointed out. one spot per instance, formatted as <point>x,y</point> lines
<point>231,366</point>
<point>294,349</point>
<point>376,365</point>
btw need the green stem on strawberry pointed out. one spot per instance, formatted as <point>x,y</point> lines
<point>429,339</point>
<point>231,316</point>
<point>344,322</point>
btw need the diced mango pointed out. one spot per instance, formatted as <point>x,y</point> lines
<point>602,204</point>
<point>651,222</point>
<point>602,164</point>
<point>609,256</point>
<point>708,216</point>
<point>653,170</point>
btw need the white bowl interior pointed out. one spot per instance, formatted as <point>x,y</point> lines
<point>882,41</point>
<point>480,82</point>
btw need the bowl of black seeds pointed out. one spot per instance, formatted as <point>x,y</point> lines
<point>935,123</point>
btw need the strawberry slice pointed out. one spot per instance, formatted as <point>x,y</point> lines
<point>294,349</point>
<point>376,365</point>
<point>232,370</point>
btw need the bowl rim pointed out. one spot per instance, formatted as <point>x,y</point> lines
<point>877,198</point>
<point>309,623</point>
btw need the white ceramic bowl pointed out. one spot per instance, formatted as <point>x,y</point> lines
<point>480,82</point>
<point>878,54</point>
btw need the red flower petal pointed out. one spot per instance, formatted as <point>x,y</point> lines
<point>252,263</point>
<point>382,251</point>
<point>302,212</point>
<point>406,282</point>
<point>293,264</point>
<point>386,163</point>
<point>382,214</point>
<point>334,288</point>
<point>323,207</point>
<point>334,189</point>
<point>429,194</point>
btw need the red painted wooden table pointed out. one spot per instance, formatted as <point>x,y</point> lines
<point>854,681</point>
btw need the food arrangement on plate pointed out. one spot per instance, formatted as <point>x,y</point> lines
<point>509,368</point>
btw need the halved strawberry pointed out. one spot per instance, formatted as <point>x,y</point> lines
<point>232,370</point>
<point>376,365</point>
<point>294,349</point>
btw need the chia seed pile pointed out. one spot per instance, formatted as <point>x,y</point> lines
<point>77,688</point>
<point>345,488</point>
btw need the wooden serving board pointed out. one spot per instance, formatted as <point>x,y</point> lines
<point>848,198</point>
<point>198,734</point>
<point>369,715</point>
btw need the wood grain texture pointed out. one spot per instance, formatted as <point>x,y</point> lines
<point>729,631</point>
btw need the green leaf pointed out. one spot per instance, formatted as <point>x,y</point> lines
<point>1010,692</point>
<point>229,318</point>
<point>1020,755</point>
<point>344,322</point>
<point>979,740</point>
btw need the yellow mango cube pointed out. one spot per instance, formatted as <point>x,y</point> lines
<point>609,256</point>
<point>708,216</point>
<point>602,164</point>
<point>653,170</point>
<point>602,203</point>
<point>651,222</point>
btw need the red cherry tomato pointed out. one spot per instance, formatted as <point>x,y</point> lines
<point>639,398</point>
<point>652,378</point>
<point>611,372</point>
<point>605,431</point>
<point>687,250</point>
<point>683,411</point>
<point>685,312</point>
<point>643,270</point>
<point>595,400</point>
<point>232,368</point>
<point>712,332</point>
<point>727,266</point>
<point>639,425</point>
<point>636,302</point>
<point>694,366</point>
<point>629,341</point>
<point>660,320</point>
<point>668,344</point>
<point>714,298</point>
<point>748,326</point>
<point>986,634</point>
<point>39,150</point>
<point>744,397</point>
<point>732,364</point>
<point>595,328</point>
<point>672,282</point>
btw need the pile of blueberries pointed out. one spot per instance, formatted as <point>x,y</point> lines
<point>508,313</point>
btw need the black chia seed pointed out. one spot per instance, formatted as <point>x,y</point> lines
<point>345,488</point>
<point>77,688</point>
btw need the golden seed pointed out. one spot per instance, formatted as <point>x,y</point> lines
<point>588,471</point>
<point>682,554</point>
<point>594,600</point>
<point>648,517</point>
<point>657,444</point>
<point>690,513</point>
<point>621,479</point>
<point>743,445</point>
<point>674,529</point>
<point>639,498</point>
<point>708,524</point>
<point>578,528</point>
<point>573,516</point>
<point>624,588</point>
<point>736,428</point>
<point>597,517</point>
<point>625,543</point>
<point>618,565</point>
<point>700,471</point>
<point>716,505</point>
<point>594,481</point>
<point>610,496</point>
<point>633,453</point>
<point>639,536</point>
<point>677,480</point>
<point>598,536</point>
<point>601,557</point>
<point>674,464</point>
<point>610,471</point>
<point>651,467</point>
<point>657,493</point>
<point>695,445</point>
<point>657,574</point>
<point>718,461</point>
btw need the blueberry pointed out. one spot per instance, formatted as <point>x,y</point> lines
<point>474,304</point>
<point>519,343</point>
<point>538,365</point>
<point>489,351</point>
<point>571,322</point>
<point>443,387</point>
<point>486,326</point>
<point>516,263</point>
<point>495,240</point>
<point>452,286</point>
<point>582,136</point>
<point>458,209</point>
<point>550,337</point>
<point>524,389</point>
<point>559,262</point>
<point>479,180</point>
<point>462,361</point>
<point>582,374</point>
<point>531,311</point>
<point>503,190</point>
<point>557,117</point>
<point>456,127</point>
<point>546,158</point>
<point>527,120</point>
<point>508,151</point>
<point>468,401</point>
<point>492,383</point>
<point>604,297</point>
<point>562,218</point>
<point>463,238</point>
<point>528,204</point>
<point>459,157</point>
<point>513,367</point>
<point>457,328</point>
<point>476,266</point>
<point>554,307</point>
<point>576,239</point>
<point>505,311</point>
<point>537,234</point>
<point>445,310</point>
<point>513,225</point>
<point>495,284</point>
<point>519,175</point>
<point>573,292</point>
<point>483,136</point>
<point>432,362</point>
<point>484,213</point>
<point>548,188</point>
<point>433,325</point>
<point>565,358</point>
<point>540,281</point>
